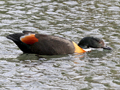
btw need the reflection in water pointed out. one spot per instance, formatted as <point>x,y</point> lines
<point>73,20</point>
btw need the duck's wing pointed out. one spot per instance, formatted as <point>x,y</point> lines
<point>47,44</point>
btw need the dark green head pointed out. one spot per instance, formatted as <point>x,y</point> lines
<point>92,42</point>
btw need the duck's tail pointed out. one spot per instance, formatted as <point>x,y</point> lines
<point>16,39</point>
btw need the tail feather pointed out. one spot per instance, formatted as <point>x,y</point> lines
<point>16,36</point>
<point>16,39</point>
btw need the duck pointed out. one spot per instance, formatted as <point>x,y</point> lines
<point>42,44</point>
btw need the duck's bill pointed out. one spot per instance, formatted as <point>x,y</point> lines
<point>107,48</point>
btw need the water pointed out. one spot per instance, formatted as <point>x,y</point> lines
<point>96,70</point>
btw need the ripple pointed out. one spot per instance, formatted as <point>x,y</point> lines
<point>73,20</point>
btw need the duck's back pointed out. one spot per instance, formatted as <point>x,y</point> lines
<point>52,45</point>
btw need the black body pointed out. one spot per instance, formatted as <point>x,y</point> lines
<point>47,44</point>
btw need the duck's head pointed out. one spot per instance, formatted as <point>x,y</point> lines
<point>92,42</point>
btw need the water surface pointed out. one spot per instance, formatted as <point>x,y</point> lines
<point>96,70</point>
